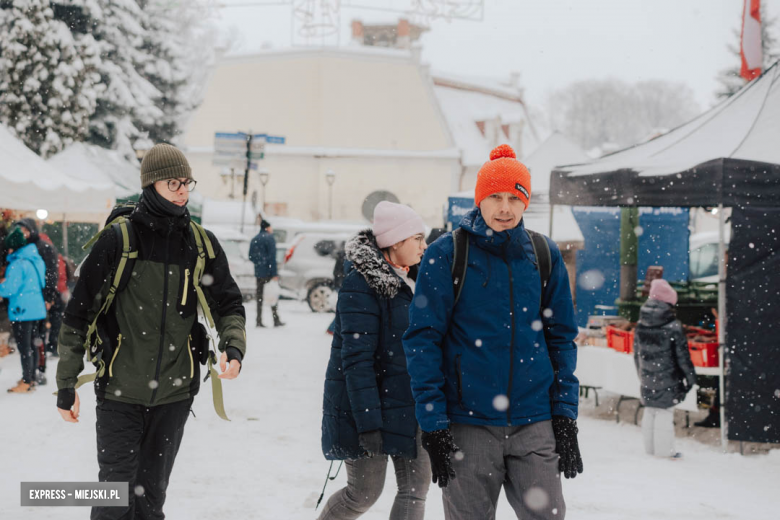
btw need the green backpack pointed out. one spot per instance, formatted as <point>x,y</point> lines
<point>122,227</point>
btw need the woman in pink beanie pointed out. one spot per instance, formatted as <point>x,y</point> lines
<point>368,407</point>
<point>663,362</point>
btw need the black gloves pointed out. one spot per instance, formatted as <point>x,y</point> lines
<point>371,442</point>
<point>234,353</point>
<point>66,397</point>
<point>565,431</point>
<point>439,444</point>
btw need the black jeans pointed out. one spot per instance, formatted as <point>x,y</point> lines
<point>259,295</point>
<point>23,332</point>
<point>138,445</point>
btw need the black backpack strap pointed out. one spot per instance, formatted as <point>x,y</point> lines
<point>543,258</point>
<point>460,240</point>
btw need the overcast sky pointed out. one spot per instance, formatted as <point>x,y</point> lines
<point>551,42</point>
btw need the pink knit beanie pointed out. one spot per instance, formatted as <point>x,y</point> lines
<point>394,223</point>
<point>662,291</point>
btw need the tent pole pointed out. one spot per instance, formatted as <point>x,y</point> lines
<point>552,211</point>
<point>64,235</point>
<point>724,442</point>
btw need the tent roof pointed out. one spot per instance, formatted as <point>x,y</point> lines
<point>29,183</point>
<point>727,155</point>
<point>90,163</point>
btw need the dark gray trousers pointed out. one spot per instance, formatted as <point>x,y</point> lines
<point>522,459</point>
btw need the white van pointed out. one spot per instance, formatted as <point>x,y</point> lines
<point>703,255</point>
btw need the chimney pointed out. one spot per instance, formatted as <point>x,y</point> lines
<point>403,34</point>
<point>357,32</point>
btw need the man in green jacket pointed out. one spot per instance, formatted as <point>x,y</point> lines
<point>151,373</point>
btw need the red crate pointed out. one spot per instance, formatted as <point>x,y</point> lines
<point>620,340</point>
<point>704,354</point>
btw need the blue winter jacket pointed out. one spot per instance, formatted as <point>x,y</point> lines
<point>505,354</point>
<point>367,385</point>
<point>25,278</point>
<point>262,253</point>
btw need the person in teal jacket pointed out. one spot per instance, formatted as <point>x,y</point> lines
<point>25,278</point>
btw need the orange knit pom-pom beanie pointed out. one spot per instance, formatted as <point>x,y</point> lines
<point>503,173</point>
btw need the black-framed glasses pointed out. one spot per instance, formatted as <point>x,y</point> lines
<point>176,184</point>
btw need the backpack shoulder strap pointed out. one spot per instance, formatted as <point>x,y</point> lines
<point>127,252</point>
<point>460,259</point>
<point>205,247</point>
<point>543,257</point>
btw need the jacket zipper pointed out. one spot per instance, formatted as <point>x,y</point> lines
<point>164,312</point>
<point>460,380</point>
<point>512,344</point>
<point>116,352</point>
<point>192,362</point>
<point>186,286</point>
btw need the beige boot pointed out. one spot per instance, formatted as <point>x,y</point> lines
<point>21,388</point>
<point>5,350</point>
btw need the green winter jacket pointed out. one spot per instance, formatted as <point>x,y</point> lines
<point>147,332</point>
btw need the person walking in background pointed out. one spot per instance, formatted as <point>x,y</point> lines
<point>262,253</point>
<point>58,309</point>
<point>50,258</point>
<point>664,365</point>
<point>23,286</point>
<point>340,256</point>
<point>493,370</point>
<point>368,407</point>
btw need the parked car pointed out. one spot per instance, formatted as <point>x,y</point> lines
<point>236,247</point>
<point>307,268</point>
<point>286,230</point>
<point>703,249</point>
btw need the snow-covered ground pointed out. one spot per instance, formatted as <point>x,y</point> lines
<point>267,464</point>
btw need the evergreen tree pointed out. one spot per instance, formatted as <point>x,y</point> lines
<point>729,79</point>
<point>48,83</point>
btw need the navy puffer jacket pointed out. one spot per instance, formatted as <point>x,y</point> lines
<point>367,385</point>
<point>505,354</point>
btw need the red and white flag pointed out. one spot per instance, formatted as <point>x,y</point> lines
<point>750,45</point>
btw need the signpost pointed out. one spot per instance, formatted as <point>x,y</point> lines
<point>242,150</point>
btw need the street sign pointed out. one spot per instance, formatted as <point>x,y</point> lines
<point>232,162</point>
<point>230,149</point>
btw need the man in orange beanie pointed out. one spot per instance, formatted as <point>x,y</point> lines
<point>491,355</point>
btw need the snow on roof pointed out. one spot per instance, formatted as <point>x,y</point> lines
<point>92,163</point>
<point>27,182</point>
<point>745,126</point>
<point>554,151</point>
<point>463,108</point>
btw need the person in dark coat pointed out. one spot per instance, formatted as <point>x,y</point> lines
<point>339,273</point>
<point>262,253</point>
<point>664,365</point>
<point>493,372</point>
<point>51,296</point>
<point>368,407</point>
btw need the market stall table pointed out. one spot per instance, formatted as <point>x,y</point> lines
<point>601,368</point>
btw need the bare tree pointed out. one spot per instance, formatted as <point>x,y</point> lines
<point>599,112</point>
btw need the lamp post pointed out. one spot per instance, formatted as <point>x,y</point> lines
<point>264,174</point>
<point>330,178</point>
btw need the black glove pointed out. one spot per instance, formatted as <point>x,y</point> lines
<point>371,442</point>
<point>439,444</point>
<point>234,353</point>
<point>565,431</point>
<point>66,397</point>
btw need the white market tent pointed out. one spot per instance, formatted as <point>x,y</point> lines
<point>29,183</point>
<point>91,163</point>
<point>727,157</point>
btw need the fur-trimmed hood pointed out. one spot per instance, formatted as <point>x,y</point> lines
<point>364,253</point>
